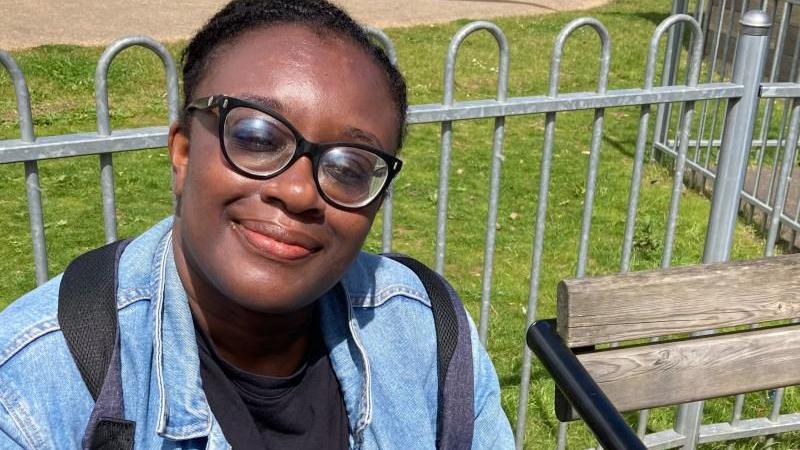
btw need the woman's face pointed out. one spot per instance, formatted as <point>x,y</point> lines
<point>275,245</point>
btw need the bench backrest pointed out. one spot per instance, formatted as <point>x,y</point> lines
<point>678,306</point>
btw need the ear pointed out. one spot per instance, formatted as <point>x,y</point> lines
<point>178,144</point>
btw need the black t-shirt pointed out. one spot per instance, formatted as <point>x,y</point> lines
<point>302,411</point>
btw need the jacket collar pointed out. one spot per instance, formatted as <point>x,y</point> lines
<point>183,411</point>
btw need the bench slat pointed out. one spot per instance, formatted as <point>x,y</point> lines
<point>669,373</point>
<point>658,303</point>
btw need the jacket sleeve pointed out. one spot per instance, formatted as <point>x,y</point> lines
<point>492,429</point>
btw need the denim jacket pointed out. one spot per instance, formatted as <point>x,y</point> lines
<point>380,337</point>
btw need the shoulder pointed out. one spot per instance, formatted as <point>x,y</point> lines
<point>29,319</point>
<point>36,365</point>
<point>392,316</point>
<point>35,368</point>
<point>372,280</point>
<point>391,311</point>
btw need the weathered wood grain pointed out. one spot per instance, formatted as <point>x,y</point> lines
<point>657,303</point>
<point>669,373</point>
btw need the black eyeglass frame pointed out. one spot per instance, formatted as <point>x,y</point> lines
<point>303,146</point>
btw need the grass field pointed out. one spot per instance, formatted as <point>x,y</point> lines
<point>61,84</point>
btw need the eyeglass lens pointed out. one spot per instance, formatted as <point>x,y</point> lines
<point>262,145</point>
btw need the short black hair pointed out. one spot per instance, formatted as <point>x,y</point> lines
<point>240,16</point>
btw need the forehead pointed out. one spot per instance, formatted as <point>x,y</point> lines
<point>322,81</point>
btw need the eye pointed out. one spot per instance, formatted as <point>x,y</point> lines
<point>256,142</point>
<point>257,135</point>
<point>348,174</point>
<point>349,168</point>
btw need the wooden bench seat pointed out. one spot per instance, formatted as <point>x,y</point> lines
<point>672,336</point>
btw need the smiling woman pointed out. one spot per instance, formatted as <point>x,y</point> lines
<point>251,318</point>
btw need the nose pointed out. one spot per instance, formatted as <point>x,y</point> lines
<point>295,191</point>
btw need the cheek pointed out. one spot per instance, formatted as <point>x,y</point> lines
<point>351,228</point>
<point>209,182</point>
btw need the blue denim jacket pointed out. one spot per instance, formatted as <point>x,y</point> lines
<point>381,340</point>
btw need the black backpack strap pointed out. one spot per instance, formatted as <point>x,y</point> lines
<point>87,314</point>
<point>456,416</point>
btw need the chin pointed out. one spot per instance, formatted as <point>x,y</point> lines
<point>267,301</point>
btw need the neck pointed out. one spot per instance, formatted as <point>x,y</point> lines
<point>261,343</point>
<point>264,344</point>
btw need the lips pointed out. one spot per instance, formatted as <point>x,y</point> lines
<point>275,241</point>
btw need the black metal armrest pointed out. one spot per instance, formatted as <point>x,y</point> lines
<point>579,388</point>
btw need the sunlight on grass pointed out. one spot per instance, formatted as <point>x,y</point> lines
<point>61,83</point>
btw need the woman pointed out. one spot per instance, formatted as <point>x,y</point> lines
<point>251,318</point>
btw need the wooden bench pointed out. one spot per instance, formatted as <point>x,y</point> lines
<point>677,306</point>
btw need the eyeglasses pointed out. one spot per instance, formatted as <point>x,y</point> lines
<point>260,143</point>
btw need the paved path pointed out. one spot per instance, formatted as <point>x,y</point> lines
<point>28,23</point>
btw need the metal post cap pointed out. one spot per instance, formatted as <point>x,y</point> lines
<point>755,18</point>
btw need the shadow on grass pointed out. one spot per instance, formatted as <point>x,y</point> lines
<point>538,372</point>
<point>651,16</point>
<point>623,146</point>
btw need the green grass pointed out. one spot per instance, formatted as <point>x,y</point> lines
<point>61,85</point>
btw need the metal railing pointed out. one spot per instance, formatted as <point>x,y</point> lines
<point>741,94</point>
<point>719,19</point>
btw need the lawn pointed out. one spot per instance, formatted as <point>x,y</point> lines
<point>61,83</point>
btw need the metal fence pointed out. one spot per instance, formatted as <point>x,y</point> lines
<point>719,20</point>
<point>740,96</point>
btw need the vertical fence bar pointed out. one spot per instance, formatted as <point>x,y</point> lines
<point>767,118</point>
<point>680,162</point>
<point>695,61</point>
<point>541,209</point>
<point>591,173</point>
<point>594,164</point>
<point>494,190</point>
<point>701,16</point>
<point>792,76</point>
<point>723,74</point>
<point>751,53</point>
<point>444,155</point>
<point>386,228</point>
<point>787,163</point>
<point>701,12</point>
<point>32,186</point>
<point>594,151</point>
<point>104,119</point>
<point>669,73</point>
<point>778,54</point>
<point>738,404</point>
<point>447,142</point>
<point>538,249</point>
<point>710,77</point>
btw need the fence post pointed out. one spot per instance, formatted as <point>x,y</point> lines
<point>748,70</point>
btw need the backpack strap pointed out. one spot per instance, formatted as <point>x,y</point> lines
<point>87,314</point>
<point>455,419</point>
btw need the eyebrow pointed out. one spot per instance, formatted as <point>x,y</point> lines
<point>358,133</point>
<point>349,131</point>
<point>267,102</point>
